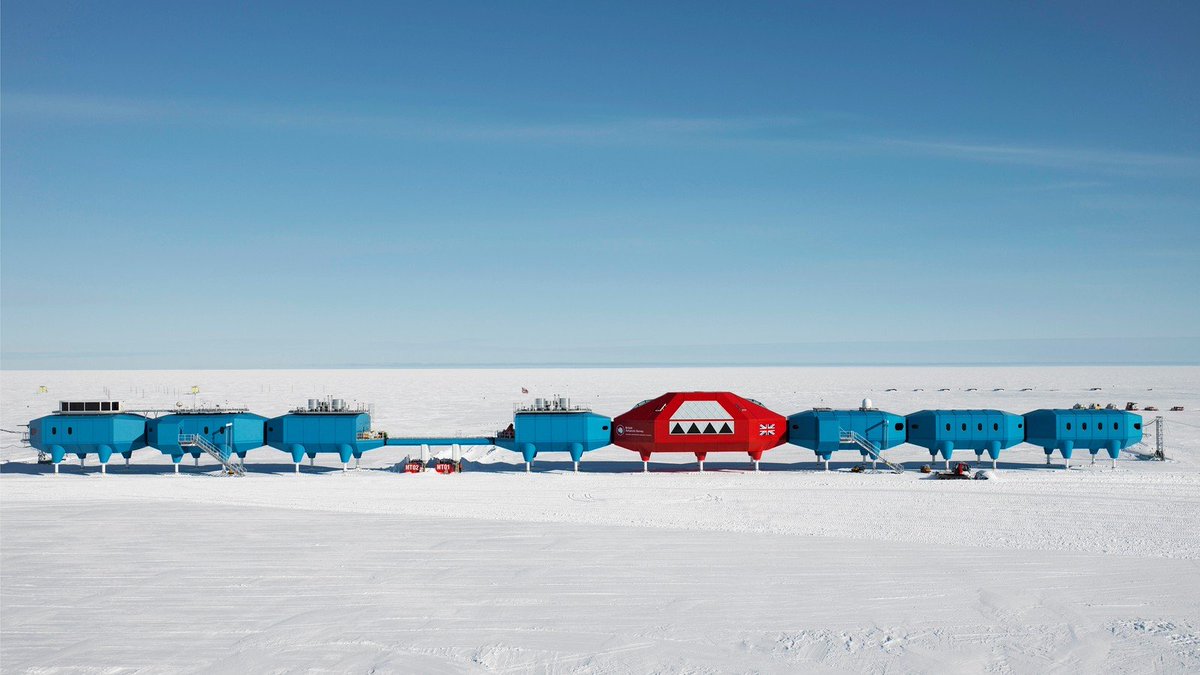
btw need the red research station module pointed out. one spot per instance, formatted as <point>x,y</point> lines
<point>699,422</point>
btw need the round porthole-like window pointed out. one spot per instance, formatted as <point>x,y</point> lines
<point>947,426</point>
<point>1068,426</point>
<point>604,428</point>
<point>1020,425</point>
<point>995,426</point>
<point>53,430</point>
<point>1100,426</point>
<point>1137,425</point>
<point>206,430</point>
<point>979,427</point>
<point>899,426</point>
<point>1116,425</point>
<point>964,426</point>
<point>69,430</point>
<point>795,426</point>
<point>1085,426</point>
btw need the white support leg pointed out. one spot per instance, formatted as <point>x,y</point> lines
<point>126,461</point>
<point>104,469</point>
<point>356,461</point>
<point>1114,464</point>
<point>576,467</point>
<point>993,465</point>
<point>1066,463</point>
<point>756,465</point>
<point>81,462</point>
<point>527,466</point>
<point>826,462</point>
<point>56,467</point>
<point>947,465</point>
<point>701,466</point>
<point>311,460</point>
<point>297,467</point>
<point>345,466</point>
<point>176,468</point>
<point>197,461</point>
<point>645,466</point>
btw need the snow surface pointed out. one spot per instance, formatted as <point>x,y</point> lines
<point>609,570</point>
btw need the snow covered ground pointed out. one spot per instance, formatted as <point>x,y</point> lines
<point>608,570</point>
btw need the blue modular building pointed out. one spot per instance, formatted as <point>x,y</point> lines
<point>83,428</point>
<point>1091,430</point>
<point>554,425</point>
<point>230,431</point>
<point>944,431</point>
<point>866,430</point>
<point>328,426</point>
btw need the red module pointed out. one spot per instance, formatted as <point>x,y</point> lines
<point>699,422</point>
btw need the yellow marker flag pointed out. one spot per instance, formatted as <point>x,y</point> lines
<point>195,389</point>
<point>42,389</point>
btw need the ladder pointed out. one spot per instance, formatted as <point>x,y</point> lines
<point>872,450</point>
<point>233,465</point>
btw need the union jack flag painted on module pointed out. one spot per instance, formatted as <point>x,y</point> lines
<point>766,430</point>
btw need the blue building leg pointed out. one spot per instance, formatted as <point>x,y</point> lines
<point>1114,449</point>
<point>994,452</point>
<point>297,456</point>
<point>528,451</point>
<point>947,449</point>
<point>576,454</point>
<point>104,452</point>
<point>56,455</point>
<point>1068,447</point>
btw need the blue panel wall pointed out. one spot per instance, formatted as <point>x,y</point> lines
<point>820,430</point>
<point>248,432</point>
<point>301,434</point>
<point>944,431</point>
<point>82,435</point>
<point>571,432</point>
<point>1091,430</point>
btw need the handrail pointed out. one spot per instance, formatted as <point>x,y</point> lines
<point>851,437</point>
<point>232,464</point>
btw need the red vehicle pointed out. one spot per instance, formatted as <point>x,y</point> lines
<point>699,423</point>
<point>414,466</point>
<point>446,466</point>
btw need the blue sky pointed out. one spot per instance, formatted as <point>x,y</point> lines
<point>324,184</point>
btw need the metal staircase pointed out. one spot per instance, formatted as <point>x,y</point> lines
<point>232,465</point>
<point>872,450</point>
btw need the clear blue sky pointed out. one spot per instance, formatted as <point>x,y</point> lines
<point>217,184</point>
